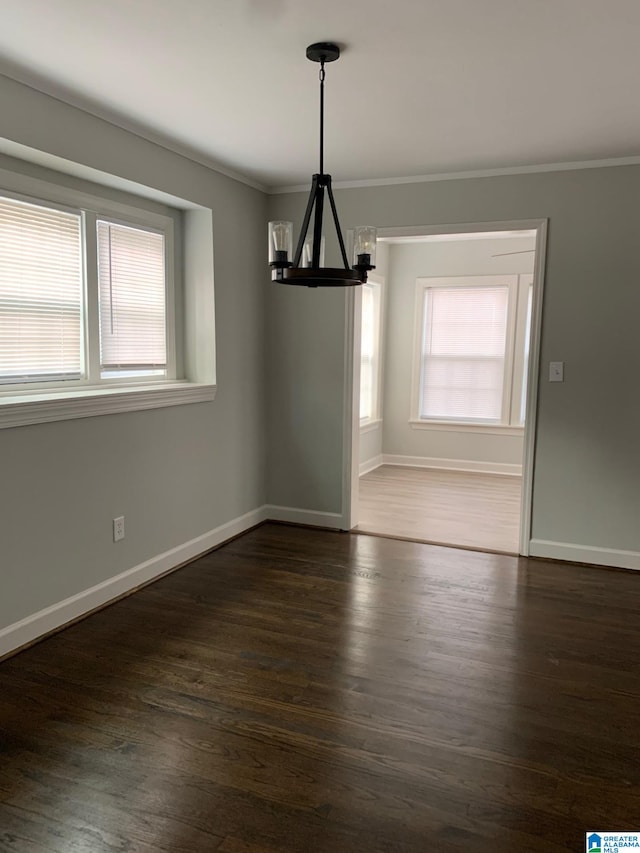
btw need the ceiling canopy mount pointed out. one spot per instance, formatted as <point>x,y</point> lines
<point>323,51</point>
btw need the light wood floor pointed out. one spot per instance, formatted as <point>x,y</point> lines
<point>448,507</point>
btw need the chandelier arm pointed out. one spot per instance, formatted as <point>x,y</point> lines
<point>336,222</point>
<point>317,225</point>
<point>305,222</point>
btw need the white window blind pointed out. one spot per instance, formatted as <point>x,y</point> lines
<point>131,273</point>
<point>367,353</point>
<point>41,284</point>
<point>463,353</point>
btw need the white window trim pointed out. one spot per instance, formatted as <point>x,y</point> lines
<point>369,424</point>
<point>42,408</point>
<point>504,426</point>
<point>467,426</point>
<point>373,422</point>
<point>42,403</point>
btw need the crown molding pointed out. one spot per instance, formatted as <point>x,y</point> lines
<point>458,176</point>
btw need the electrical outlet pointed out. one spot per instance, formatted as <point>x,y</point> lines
<point>118,528</point>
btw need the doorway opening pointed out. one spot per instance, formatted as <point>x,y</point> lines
<point>444,370</point>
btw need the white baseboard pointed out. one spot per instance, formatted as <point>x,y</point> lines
<point>371,464</point>
<point>51,618</point>
<point>303,516</point>
<point>584,554</point>
<point>441,464</point>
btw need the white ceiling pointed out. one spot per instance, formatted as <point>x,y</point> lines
<point>423,87</point>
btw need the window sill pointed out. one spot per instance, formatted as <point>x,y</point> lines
<point>369,426</point>
<point>459,426</point>
<point>40,407</point>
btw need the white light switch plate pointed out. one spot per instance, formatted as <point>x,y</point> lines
<point>556,371</point>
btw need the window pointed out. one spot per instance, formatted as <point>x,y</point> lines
<point>83,298</point>
<point>41,283</point>
<point>472,349</point>
<point>133,305</point>
<point>106,298</point>
<point>370,352</point>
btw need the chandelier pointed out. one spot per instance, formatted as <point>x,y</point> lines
<point>306,267</point>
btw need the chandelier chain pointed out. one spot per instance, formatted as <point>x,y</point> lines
<point>321,75</point>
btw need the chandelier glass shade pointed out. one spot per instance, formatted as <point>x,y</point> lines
<point>305,266</point>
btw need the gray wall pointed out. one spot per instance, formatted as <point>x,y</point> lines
<point>306,379</point>
<point>409,261</point>
<point>179,472</point>
<point>587,466</point>
<point>174,473</point>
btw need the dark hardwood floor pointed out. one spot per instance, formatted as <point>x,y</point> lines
<point>307,691</point>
